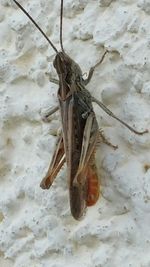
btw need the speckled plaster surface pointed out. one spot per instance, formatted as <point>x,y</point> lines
<point>36,228</point>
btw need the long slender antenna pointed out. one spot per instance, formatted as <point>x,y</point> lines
<point>61,25</point>
<point>37,26</point>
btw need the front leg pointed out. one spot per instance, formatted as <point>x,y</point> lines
<point>48,112</point>
<point>91,71</point>
<point>53,80</point>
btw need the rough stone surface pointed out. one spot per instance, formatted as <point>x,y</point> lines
<point>36,227</point>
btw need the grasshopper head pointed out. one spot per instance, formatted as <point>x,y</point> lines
<point>67,67</point>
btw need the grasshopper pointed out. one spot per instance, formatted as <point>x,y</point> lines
<point>80,134</point>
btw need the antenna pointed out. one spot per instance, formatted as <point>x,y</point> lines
<point>61,25</point>
<point>37,26</point>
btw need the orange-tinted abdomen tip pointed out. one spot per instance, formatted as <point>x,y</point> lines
<point>93,188</point>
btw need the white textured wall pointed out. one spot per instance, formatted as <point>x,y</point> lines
<point>36,228</point>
